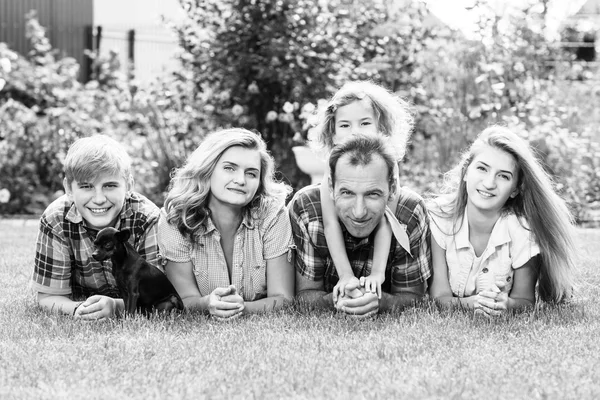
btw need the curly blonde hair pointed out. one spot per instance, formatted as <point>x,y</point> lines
<point>186,204</point>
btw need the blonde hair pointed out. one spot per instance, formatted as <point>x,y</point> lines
<point>187,201</point>
<point>392,113</point>
<point>92,156</point>
<point>546,213</point>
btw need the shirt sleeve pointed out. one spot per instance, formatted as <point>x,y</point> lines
<point>147,245</point>
<point>523,245</point>
<point>307,262</point>
<point>437,227</point>
<point>173,245</point>
<point>411,271</point>
<point>52,264</point>
<point>277,236</point>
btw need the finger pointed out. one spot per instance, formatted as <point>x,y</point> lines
<point>232,298</point>
<point>379,291</point>
<point>222,291</point>
<point>500,284</point>
<point>335,293</point>
<point>225,313</point>
<point>361,281</point>
<point>362,305</point>
<point>488,294</point>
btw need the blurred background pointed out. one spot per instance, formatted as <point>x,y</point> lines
<point>159,75</point>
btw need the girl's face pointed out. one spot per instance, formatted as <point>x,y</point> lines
<point>491,179</point>
<point>236,178</point>
<point>356,117</point>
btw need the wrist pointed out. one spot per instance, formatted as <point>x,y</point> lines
<point>77,304</point>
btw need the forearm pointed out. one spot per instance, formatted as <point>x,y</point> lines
<point>518,304</point>
<point>196,303</point>
<point>57,303</point>
<point>265,305</point>
<point>398,301</point>
<point>317,299</point>
<point>449,301</point>
<point>337,250</point>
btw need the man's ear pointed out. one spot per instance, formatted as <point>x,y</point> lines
<point>67,187</point>
<point>123,235</point>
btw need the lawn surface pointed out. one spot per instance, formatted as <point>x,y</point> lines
<point>423,353</point>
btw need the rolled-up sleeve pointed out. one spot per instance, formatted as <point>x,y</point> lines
<point>172,244</point>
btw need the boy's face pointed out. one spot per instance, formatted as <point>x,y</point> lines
<point>99,202</point>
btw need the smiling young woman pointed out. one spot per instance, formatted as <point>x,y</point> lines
<point>499,230</point>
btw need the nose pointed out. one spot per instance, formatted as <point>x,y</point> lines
<point>359,210</point>
<point>239,178</point>
<point>99,196</point>
<point>489,181</point>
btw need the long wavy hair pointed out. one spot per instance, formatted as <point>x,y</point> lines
<point>536,201</point>
<point>393,115</point>
<point>186,204</point>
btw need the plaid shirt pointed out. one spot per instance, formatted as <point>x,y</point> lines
<point>314,262</point>
<point>63,261</point>
<point>256,242</point>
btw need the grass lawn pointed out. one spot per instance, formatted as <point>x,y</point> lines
<point>549,353</point>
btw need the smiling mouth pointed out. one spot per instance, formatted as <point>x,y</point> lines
<point>237,190</point>
<point>485,194</point>
<point>99,210</point>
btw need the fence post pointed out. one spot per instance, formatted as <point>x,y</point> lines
<point>131,53</point>
<point>89,46</point>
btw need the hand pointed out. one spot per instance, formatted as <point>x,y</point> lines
<point>96,307</point>
<point>339,290</point>
<point>372,283</point>
<point>225,303</point>
<point>492,302</point>
<point>362,306</point>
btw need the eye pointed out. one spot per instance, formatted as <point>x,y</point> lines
<point>109,246</point>
<point>505,177</point>
<point>367,123</point>
<point>344,125</point>
<point>228,168</point>
<point>481,168</point>
<point>252,174</point>
<point>374,195</point>
<point>85,186</point>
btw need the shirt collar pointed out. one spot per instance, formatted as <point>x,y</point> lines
<point>247,221</point>
<point>500,234</point>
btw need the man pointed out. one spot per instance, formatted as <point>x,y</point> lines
<point>361,182</point>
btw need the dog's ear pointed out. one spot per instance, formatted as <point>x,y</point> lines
<point>123,236</point>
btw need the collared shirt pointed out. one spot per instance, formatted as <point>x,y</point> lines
<point>63,261</point>
<point>256,242</point>
<point>510,246</point>
<point>313,259</point>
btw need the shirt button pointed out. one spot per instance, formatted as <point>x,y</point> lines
<point>485,270</point>
<point>508,279</point>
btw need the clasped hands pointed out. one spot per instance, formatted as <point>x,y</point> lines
<point>224,303</point>
<point>492,302</point>
<point>353,298</point>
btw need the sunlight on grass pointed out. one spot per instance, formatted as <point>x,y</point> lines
<point>550,352</point>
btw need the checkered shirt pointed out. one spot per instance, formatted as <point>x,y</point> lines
<point>63,261</point>
<point>314,262</point>
<point>256,241</point>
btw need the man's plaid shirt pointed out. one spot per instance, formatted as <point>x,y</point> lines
<point>312,255</point>
<point>63,261</point>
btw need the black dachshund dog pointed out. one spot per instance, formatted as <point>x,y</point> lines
<point>141,285</point>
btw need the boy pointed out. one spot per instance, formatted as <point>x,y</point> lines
<point>98,185</point>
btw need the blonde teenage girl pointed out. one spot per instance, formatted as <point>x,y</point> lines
<point>362,107</point>
<point>500,229</point>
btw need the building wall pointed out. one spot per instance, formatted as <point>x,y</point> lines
<point>67,23</point>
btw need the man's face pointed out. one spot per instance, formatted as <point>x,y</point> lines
<point>360,194</point>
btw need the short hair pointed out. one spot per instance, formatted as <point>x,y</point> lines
<point>361,149</point>
<point>92,156</point>
<point>187,201</point>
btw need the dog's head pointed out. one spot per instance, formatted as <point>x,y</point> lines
<point>108,241</point>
